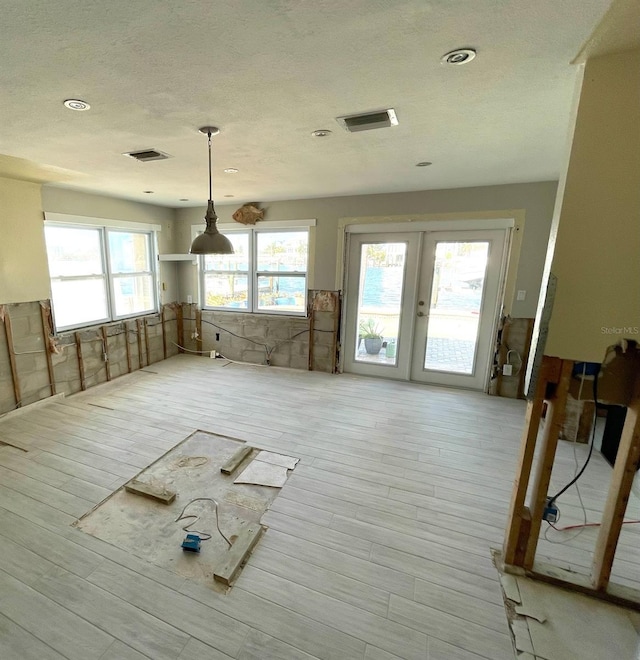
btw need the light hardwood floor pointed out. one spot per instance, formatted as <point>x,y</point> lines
<point>378,547</point>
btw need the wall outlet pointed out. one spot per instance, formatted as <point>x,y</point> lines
<point>521,295</point>
<point>507,369</point>
<point>189,299</point>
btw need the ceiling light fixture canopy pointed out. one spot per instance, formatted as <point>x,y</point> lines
<point>211,241</point>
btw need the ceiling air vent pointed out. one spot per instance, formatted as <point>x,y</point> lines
<point>369,120</point>
<point>146,155</point>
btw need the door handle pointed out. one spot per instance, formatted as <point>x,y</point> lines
<point>420,313</point>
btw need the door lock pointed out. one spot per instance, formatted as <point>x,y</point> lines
<point>420,313</point>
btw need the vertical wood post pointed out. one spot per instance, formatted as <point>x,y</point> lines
<point>83,384</point>
<point>139,332</point>
<point>127,345</point>
<point>17,392</point>
<point>198,328</point>
<point>105,345</point>
<point>552,427</point>
<point>519,519</point>
<point>312,336</point>
<point>624,472</point>
<point>164,335</point>
<point>180,329</point>
<point>47,330</point>
<point>146,340</point>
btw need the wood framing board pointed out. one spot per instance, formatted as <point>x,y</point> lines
<point>515,539</point>
<point>238,554</point>
<point>551,435</point>
<point>624,472</point>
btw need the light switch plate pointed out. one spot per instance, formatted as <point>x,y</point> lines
<point>522,294</point>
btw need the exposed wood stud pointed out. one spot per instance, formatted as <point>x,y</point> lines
<point>624,472</point>
<point>515,528</point>
<point>552,427</point>
<point>47,331</point>
<point>179,321</point>
<point>12,356</point>
<point>146,340</point>
<point>139,333</point>
<point>164,333</point>
<point>83,384</point>
<point>312,336</point>
<point>198,327</point>
<point>105,346</point>
<point>127,345</point>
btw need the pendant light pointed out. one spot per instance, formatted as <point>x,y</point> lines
<point>211,241</point>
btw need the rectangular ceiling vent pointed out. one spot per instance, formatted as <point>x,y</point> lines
<point>369,120</point>
<point>146,155</point>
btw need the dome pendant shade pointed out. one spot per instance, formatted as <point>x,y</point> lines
<point>211,241</point>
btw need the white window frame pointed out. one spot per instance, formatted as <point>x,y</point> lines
<point>78,222</point>
<point>252,273</point>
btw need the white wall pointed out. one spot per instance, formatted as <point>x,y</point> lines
<point>536,199</point>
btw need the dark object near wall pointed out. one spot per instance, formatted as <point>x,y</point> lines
<point>616,416</point>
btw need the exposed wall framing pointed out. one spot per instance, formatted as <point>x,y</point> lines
<point>523,526</point>
<point>35,363</point>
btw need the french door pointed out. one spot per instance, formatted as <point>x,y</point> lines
<point>423,306</point>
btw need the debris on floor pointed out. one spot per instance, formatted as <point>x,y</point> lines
<point>185,492</point>
<point>550,623</point>
<point>268,469</point>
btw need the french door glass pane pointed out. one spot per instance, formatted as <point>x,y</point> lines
<point>382,270</point>
<point>77,302</point>
<point>454,312</point>
<point>281,294</point>
<point>133,294</point>
<point>226,290</point>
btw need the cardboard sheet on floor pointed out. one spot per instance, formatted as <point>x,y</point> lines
<point>267,469</point>
<point>277,459</point>
<point>263,474</point>
<point>577,627</point>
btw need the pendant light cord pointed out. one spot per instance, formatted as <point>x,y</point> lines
<point>210,191</point>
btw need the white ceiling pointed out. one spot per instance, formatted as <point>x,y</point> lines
<point>268,72</point>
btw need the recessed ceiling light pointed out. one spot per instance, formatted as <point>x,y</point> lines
<point>231,170</point>
<point>322,132</point>
<point>148,192</point>
<point>184,199</point>
<point>228,195</point>
<point>76,104</point>
<point>459,56</point>
<point>424,163</point>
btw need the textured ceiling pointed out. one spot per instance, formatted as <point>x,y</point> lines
<point>268,72</point>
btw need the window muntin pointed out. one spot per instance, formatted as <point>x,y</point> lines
<point>99,274</point>
<point>268,272</point>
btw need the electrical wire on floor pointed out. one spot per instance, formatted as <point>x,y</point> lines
<point>203,535</point>
<point>577,473</point>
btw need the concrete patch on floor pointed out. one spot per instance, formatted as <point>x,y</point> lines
<point>550,623</point>
<point>213,504</point>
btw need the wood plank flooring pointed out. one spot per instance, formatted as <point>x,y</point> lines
<point>378,547</point>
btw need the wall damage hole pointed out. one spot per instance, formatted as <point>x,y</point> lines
<point>141,517</point>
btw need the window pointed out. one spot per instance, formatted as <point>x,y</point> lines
<point>267,273</point>
<point>99,274</point>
